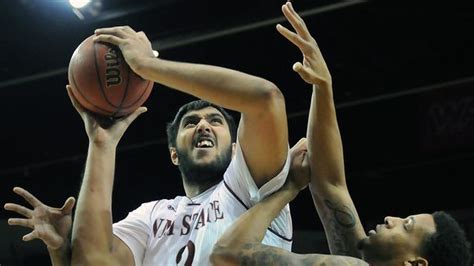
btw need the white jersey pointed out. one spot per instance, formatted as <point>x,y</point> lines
<point>183,231</point>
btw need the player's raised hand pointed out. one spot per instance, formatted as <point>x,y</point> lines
<point>104,130</point>
<point>135,46</point>
<point>51,225</point>
<point>313,69</point>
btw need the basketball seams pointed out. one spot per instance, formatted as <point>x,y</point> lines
<point>140,97</point>
<point>145,92</point>
<point>84,97</point>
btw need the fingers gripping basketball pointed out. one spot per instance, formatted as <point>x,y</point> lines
<point>103,83</point>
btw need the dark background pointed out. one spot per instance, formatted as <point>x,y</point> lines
<point>403,80</point>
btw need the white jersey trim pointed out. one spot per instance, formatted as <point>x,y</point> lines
<point>238,178</point>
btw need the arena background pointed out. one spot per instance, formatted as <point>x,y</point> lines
<point>403,81</point>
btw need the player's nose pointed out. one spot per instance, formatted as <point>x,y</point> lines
<point>203,126</point>
<point>391,221</point>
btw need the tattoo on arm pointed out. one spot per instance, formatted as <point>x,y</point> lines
<point>340,221</point>
<point>259,254</point>
<point>342,214</point>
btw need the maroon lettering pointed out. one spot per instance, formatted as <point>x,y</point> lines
<point>217,211</point>
<point>195,216</point>
<point>155,228</point>
<point>186,225</point>
<point>189,221</point>
<point>208,213</point>
<point>200,223</point>
<point>158,227</point>
<point>168,228</point>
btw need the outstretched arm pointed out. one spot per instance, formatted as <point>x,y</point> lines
<point>92,238</point>
<point>328,183</point>
<point>263,127</point>
<point>51,225</point>
<point>241,243</point>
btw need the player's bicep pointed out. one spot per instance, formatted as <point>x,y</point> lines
<point>340,219</point>
<point>264,140</point>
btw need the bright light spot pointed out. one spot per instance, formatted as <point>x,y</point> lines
<point>79,3</point>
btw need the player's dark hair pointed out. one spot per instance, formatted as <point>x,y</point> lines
<point>448,245</point>
<point>172,127</point>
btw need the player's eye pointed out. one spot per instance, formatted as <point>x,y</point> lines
<point>189,123</point>
<point>216,121</point>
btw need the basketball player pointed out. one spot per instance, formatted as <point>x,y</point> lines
<point>421,239</point>
<point>224,170</point>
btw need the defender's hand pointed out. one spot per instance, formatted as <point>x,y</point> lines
<point>313,69</point>
<point>51,225</point>
<point>299,175</point>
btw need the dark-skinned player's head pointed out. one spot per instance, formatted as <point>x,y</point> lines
<point>421,239</point>
<point>448,245</point>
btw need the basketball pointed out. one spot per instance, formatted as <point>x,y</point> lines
<point>103,83</point>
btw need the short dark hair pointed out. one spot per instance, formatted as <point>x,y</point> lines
<point>448,245</point>
<point>172,127</point>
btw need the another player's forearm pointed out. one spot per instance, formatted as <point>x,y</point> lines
<point>341,222</point>
<point>92,230</point>
<point>328,185</point>
<point>248,231</point>
<point>225,87</point>
<point>258,254</point>
<point>324,140</point>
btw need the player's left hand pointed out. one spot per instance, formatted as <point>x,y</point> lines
<point>51,225</point>
<point>135,46</point>
<point>103,131</point>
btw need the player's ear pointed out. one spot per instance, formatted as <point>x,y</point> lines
<point>419,261</point>
<point>174,156</point>
<point>234,147</point>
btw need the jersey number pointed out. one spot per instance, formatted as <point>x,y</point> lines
<point>189,259</point>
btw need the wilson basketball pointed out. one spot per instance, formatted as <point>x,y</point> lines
<point>103,83</point>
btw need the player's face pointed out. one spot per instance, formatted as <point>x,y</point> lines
<point>203,145</point>
<point>204,135</point>
<point>397,237</point>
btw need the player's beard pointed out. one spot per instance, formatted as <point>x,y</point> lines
<point>373,252</point>
<point>198,174</point>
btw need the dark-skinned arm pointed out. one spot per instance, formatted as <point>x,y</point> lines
<point>241,243</point>
<point>328,182</point>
